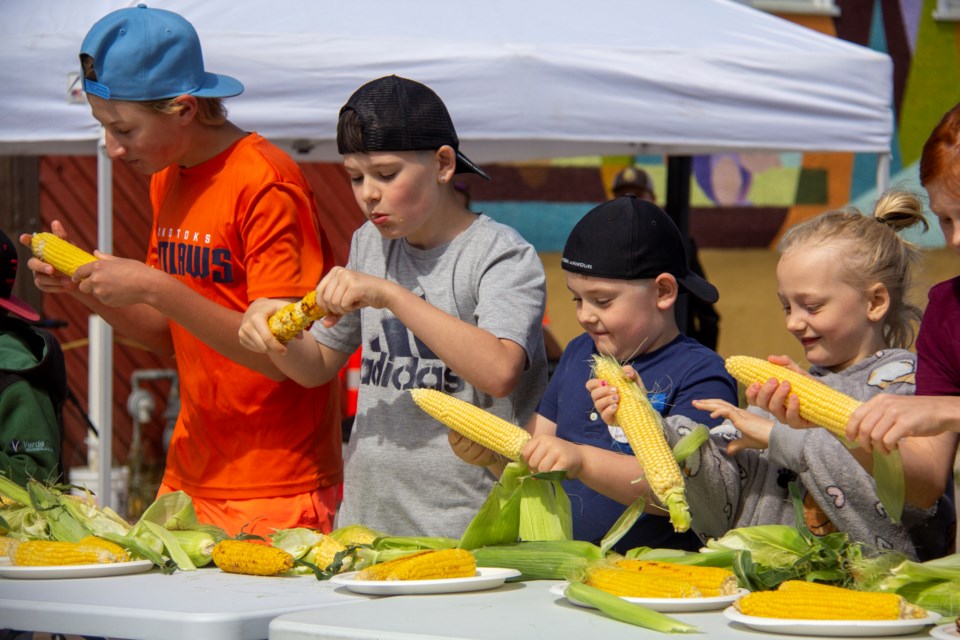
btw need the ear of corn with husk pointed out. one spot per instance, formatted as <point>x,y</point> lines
<point>64,256</point>
<point>540,560</point>
<point>798,599</point>
<point>288,321</point>
<point>251,558</point>
<point>424,565</point>
<point>643,428</point>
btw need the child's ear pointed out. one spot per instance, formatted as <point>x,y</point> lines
<point>667,291</point>
<point>446,159</point>
<point>878,302</point>
<point>187,107</point>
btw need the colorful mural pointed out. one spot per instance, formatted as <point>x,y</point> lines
<point>744,200</point>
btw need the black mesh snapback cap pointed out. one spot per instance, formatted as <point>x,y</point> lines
<point>397,114</point>
<point>631,239</point>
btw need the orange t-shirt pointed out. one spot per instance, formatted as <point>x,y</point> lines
<point>241,226</point>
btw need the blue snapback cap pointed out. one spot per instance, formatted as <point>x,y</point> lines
<point>142,54</point>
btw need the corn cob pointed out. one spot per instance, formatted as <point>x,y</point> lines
<point>638,584</point>
<point>5,543</point>
<point>45,553</point>
<point>355,534</point>
<point>102,543</point>
<point>540,559</point>
<point>807,601</point>
<point>710,581</point>
<point>290,320</point>
<point>643,427</point>
<point>424,565</point>
<point>65,257</point>
<point>481,426</point>
<point>251,558</point>
<point>326,550</point>
<point>819,403</point>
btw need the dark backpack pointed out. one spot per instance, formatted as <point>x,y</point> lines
<point>51,375</point>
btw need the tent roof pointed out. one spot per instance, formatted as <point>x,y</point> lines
<point>523,79</point>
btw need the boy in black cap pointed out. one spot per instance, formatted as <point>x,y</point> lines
<point>625,266</point>
<point>436,296</point>
<point>33,384</point>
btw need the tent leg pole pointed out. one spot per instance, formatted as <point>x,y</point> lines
<point>679,170</point>
<point>883,172</point>
<point>100,400</point>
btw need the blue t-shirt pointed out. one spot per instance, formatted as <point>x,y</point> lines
<point>674,375</point>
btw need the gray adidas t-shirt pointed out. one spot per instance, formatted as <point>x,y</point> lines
<point>401,476</point>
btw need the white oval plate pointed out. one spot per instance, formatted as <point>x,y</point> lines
<point>832,627</point>
<point>486,578</point>
<point>673,605</point>
<point>75,570</point>
<point>946,632</point>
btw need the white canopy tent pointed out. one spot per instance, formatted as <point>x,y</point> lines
<point>523,80</point>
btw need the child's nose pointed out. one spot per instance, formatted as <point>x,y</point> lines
<point>114,148</point>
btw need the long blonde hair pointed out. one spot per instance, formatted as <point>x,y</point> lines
<point>873,253</point>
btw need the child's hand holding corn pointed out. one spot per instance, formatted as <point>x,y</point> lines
<point>255,331</point>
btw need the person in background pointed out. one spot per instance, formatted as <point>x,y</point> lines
<point>233,219</point>
<point>33,385</point>
<point>935,410</point>
<point>437,296</point>
<point>842,279</point>
<point>625,266</point>
<point>702,319</point>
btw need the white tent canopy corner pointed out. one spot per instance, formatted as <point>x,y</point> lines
<point>523,80</point>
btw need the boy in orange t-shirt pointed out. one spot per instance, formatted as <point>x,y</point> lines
<point>233,220</point>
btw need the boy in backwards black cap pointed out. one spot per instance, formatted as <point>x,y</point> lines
<point>436,296</point>
<point>625,266</point>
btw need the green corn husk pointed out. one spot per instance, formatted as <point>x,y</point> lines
<point>415,543</point>
<point>198,545</point>
<point>498,520</point>
<point>933,585</point>
<point>297,541</point>
<point>624,611</point>
<point>545,512</point>
<point>63,524</point>
<point>723,559</point>
<point>540,560</point>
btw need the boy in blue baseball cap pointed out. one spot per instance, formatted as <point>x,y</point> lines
<point>234,219</point>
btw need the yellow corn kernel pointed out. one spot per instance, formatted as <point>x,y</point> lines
<point>5,543</point>
<point>65,257</point>
<point>326,550</point>
<point>290,320</point>
<point>119,552</point>
<point>807,601</point>
<point>484,428</point>
<point>710,581</point>
<point>643,428</point>
<point>45,553</point>
<point>638,584</point>
<point>819,403</point>
<point>251,558</point>
<point>424,565</point>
